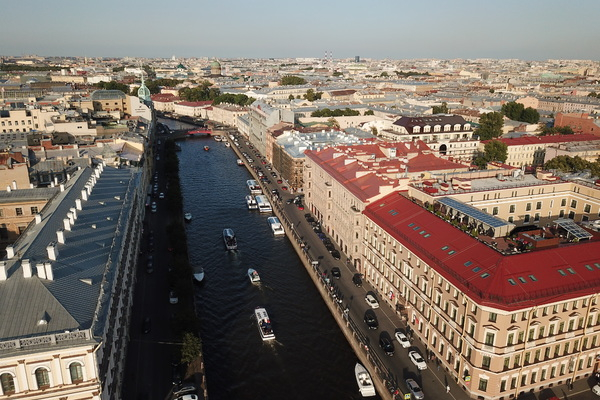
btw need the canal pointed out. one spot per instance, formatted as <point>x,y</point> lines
<point>310,358</point>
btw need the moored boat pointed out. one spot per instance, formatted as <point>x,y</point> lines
<point>251,202</point>
<point>253,275</point>
<point>264,324</point>
<point>229,239</point>
<point>276,226</point>
<point>227,144</point>
<point>199,275</point>
<point>240,162</point>
<point>363,378</point>
<point>206,148</point>
<point>253,186</point>
<point>187,217</point>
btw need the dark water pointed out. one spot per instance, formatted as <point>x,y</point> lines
<point>310,359</point>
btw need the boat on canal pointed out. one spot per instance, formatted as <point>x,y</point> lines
<point>240,162</point>
<point>206,148</point>
<point>187,217</point>
<point>251,202</point>
<point>199,275</point>
<point>276,226</point>
<point>365,383</point>
<point>253,186</point>
<point>264,324</point>
<point>253,275</point>
<point>229,239</point>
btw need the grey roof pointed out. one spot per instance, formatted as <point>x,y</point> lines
<point>85,262</point>
<point>28,194</point>
<point>473,212</point>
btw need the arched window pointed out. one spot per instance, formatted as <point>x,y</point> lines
<point>457,127</point>
<point>8,383</point>
<point>437,128</point>
<point>416,129</point>
<point>42,378</point>
<point>467,127</point>
<point>427,128</point>
<point>76,372</point>
<point>447,128</point>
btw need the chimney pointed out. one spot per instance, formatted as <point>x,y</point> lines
<point>41,270</point>
<point>14,185</point>
<point>49,272</point>
<point>62,187</point>
<point>52,251</point>
<point>84,194</point>
<point>8,189</point>
<point>10,251</point>
<point>26,264</point>
<point>3,275</point>
<point>74,212</point>
<point>71,218</point>
<point>67,224</point>
<point>60,236</point>
<point>38,219</point>
<point>78,204</point>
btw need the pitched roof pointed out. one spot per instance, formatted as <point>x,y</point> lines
<point>507,282</point>
<point>548,139</point>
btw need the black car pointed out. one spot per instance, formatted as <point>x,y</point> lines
<point>371,319</point>
<point>386,344</point>
<point>357,279</point>
<point>176,373</point>
<point>335,271</point>
<point>146,325</point>
<point>330,247</point>
<point>336,254</point>
<point>317,228</point>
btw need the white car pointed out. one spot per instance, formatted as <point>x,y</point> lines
<point>402,339</point>
<point>371,301</point>
<point>415,389</point>
<point>161,195</point>
<point>173,299</point>
<point>417,360</point>
<point>596,390</point>
<point>187,397</point>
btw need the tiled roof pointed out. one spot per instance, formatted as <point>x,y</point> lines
<point>507,282</point>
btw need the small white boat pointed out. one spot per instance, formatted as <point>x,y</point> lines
<point>251,202</point>
<point>187,217</point>
<point>227,144</point>
<point>276,226</point>
<point>199,275</point>
<point>253,186</point>
<point>240,162</point>
<point>253,275</point>
<point>264,324</point>
<point>229,239</point>
<point>218,138</point>
<point>363,378</point>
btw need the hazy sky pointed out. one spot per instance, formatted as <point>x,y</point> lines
<point>393,29</point>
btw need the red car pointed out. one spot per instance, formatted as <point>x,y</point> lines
<point>300,206</point>
<point>284,188</point>
<point>279,181</point>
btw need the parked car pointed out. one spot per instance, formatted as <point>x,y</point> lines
<point>329,246</point>
<point>183,389</point>
<point>402,339</point>
<point>336,254</point>
<point>336,273</point>
<point>371,319</point>
<point>146,325</point>
<point>371,301</point>
<point>173,299</point>
<point>386,344</point>
<point>416,359</point>
<point>187,397</point>
<point>415,389</point>
<point>357,279</point>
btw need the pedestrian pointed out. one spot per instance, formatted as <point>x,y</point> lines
<point>447,388</point>
<point>438,366</point>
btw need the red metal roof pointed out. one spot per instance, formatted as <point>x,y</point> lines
<point>508,282</point>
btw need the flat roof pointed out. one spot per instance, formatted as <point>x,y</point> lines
<point>472,212</point>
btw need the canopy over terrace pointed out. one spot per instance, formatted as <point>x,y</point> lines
<point>496,226</point>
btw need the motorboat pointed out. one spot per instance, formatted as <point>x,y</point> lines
<point>229,239</point>
<point>218,138</point>
<point>276,226</point>
<point>187,217</point>
<point>227,144</point>
<point>264,206</point>
<point>199,275</point>
<point>251,202</point>
<point>365,383</point>
<point>253,186</point>
<point>240,162</point>
<point>253,275</point>
<point>264,324</point>
<point>206,148</point>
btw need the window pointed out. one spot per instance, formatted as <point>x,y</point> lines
<point>512,208</point>
<point>483,385</point>
<point>509,340</point>
<point>76,372</point>
<point>538,205</point>
<point>528,207</point>
<point>563,202</point>
<point>489,339</point>
<point>587,208</point>
<point>495,211</point>
<point>526,218</point>
<point>19,211</point>
<point>573,203</point>
<point>493,317</point>
<point>34,210</point>
<point>8,383</point>
<point>487,360</point>
<point>42,378</point>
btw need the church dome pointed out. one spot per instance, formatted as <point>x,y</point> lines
<point>215,64</point>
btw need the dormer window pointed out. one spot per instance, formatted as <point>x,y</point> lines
<point>467,127</point>
<point>447,128</point>
<point>457,127</point>
<point>417,129</point>
<point>427,128</point>
<point>437,128</point>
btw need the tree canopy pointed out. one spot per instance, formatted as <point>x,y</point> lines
<point>112,85</point>
<point>292,80</point>
<point>490,126</point>
<point>518,112</point>
<point>311,95</point>
<point>204,92</point>
<point>573,164</point>
<point>442,109</point>
<point>557,130</point>
<point>155,85</point>
<point>239,99</point>
<point>494,150</point>
<point>326,112</point>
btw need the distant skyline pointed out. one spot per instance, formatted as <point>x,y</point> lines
<point>378,29</point>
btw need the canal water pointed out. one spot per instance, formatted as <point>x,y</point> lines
<point>310,358</point>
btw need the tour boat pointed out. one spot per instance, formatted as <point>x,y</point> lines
<point>276,226</point>
<point>251,202</point>
<point>264,206</point>
<point>253,186</point>
<point>264,324</point>
<point>253,275</point>
<point>363,378</point>
<point>199,275</point>
<point>229,239</point>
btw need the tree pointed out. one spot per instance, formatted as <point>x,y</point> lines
<point>573,164</point>
<point>291,97</point>
<point>443,109</point>
<point>112,85</point>
<point>333,122</point>
<point>191,348</point>
<point>337,73</point>
<point>530,115</point>
<point>384,74</point>
<point>374,131</point>
<point>513,110</point>
<point>490,126</point>
<point>557,130</point>
<point>495,151</point>
<point>292,80</point>
<point>203,92</point>
<point>312,96</point>
<point>369,112</point>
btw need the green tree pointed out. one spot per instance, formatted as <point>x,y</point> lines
<point>333,122</point>
<point>311,95</point>
<point>442,109</point>
<point>495,150</point>
<point>292,80</point>
<point>291,97</point>
<point>530,115</point>
<point>374,131</point>
<point>191,348</point>
<point>490,126</point>
<point>573,164</point>
<point>337,73</point>
<point>112,85</point>
<point>557,130</point>
<point>384,74</point>
<point>369,112</point>
<point>202,92</point>
<point>513,110</point>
